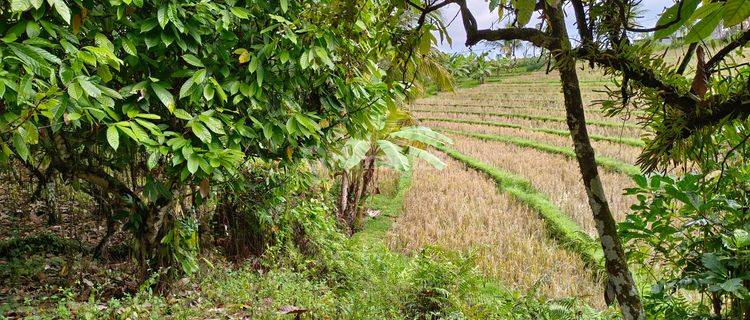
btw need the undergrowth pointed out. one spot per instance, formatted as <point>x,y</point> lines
<point>343,278</point>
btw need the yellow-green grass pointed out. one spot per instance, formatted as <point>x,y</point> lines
<point>592,113</point>
<point>461,209</point>
<point>624,154</point>
<point>606,163</point>
<point>490,103</point>
<point>596,130</point>
<point>535,117</point>
<point>555,176</point>
<point>563,133</point>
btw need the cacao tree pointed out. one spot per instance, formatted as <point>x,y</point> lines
<point>156,102</point>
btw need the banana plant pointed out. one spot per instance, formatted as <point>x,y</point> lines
<point>393,144</point>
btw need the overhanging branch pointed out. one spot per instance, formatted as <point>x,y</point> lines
<point>721,54</point>
<point>474,35</point>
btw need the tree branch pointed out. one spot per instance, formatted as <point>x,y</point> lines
<point>646,77</point>
<point>655,28</point>
<point>474,35</point>
<point>583,30</point>
<point>721,54</point>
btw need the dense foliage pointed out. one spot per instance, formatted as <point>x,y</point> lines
<point>691,233</point>
<point>153,106</point>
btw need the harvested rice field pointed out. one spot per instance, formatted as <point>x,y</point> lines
<point>460,209</point>
<point>515,127</point>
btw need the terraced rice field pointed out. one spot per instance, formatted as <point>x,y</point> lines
<point>520,202</point>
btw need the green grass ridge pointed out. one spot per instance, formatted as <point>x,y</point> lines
<point>390,206</point>
<point>592,110</point>
<point>564,133</point>
<point>532,117</point>
<point>606,163</point>
<point>561,227</point>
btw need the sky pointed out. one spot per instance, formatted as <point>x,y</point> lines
<point>486,19</point>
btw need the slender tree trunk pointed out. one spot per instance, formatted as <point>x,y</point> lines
<point>619,276</point>
<point>356,194</point>
<point>50,201</point>
<point>369,171</point>
<point>344,196</point>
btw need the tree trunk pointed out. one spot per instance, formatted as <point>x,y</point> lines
<point>369,172</point>
<point>619,276</point>
<point>344,197</point>
<point>355,192</point>
<point>50,201</point>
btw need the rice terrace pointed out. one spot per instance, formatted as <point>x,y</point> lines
<point>375,159</point>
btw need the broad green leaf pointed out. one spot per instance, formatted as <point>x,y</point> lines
<point>163,94</point>
<point>219,90</point>
<point>253,65</point>
<point>213,124</point>
<point>193,60</point>
<point>712,262</point>
<point>113,137</point>
<point>428,157</point>
<point>193,162</point>
<point>199,76</point>
<point>149,116</point>
<point>669,15</point>
<point>62,9</point>
<point>354,152</point>
<point>704,10</point>
<point>525,9</point>
<point>240,12</point>
<point>422,134</point>
<point>174,18</point>
<point>19,5</point>
<point>705,27</point>
<point>129,47</point>
<point>736,11</point>
<point>284,5</point>
<point>201,132</point>
<point>208,92</point>
<point>88,87</point>
<point>741,238</point>
<point>19,143</point>
<point>394,156</point>
<point>102,41</point>
<point>185,88</point>
<point>153,160</point>
<point>32,29</point>
<point>161,16</point>
<point>31,57</point>
<point>303,62</point>
<point>182,114</point>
